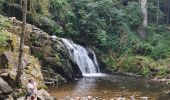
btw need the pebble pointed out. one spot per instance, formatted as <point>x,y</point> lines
<point>120,98</point>
<point>143,98</point>
<point>98,98</point>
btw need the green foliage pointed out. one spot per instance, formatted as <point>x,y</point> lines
<point>142,48</point>
<point>4,22</point>
<point>160,51</point>
<point>102,38</point>
<point>145,71</point>
<point>136,64</point>
<point>110,27</point>
<point>133,14</point>
<point>106,25</point>
<point>162,72</point>
<point>1,6</point>
<point>45,22</point>
<point>159,39</point>
<point>59,8</point>
<point>127,65</point>
<point>3,38</point>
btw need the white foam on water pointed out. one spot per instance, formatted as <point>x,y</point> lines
<point>95,75</point>
<point>88,66</point>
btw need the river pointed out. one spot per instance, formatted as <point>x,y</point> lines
<point>112,86</point>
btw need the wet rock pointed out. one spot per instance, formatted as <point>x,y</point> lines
<point>44,95</point>
<point>53,53</point>
<point>52,78</point>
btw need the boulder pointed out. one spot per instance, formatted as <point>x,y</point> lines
<point>31,68</point>
<point>44,95</point>
<point>4,87</point>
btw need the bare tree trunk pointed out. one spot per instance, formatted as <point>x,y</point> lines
<point>168,6</point>
<point>143,4</point>
<point>157,18</point>
<point>20,66</point>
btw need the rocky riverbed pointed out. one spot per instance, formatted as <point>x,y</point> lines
<point>98,98</point>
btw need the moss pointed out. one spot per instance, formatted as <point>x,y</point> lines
<point>3,38</point>
<point>4,22</point>
<point>58,60</point>
<point>42,87</point>
<point>135,64</point>
<point>142,65</point>
<point>162,72</point>
<point>3,49</point>
<point>15,41</point>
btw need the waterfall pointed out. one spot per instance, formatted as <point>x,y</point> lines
<point>80,55</point>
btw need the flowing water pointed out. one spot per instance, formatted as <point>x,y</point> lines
<point>87,65</point>
<point>112,86</point>
<point>105,86</point>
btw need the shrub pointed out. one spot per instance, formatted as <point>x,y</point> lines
<point>142,48</point>
<point>1,5</point>
<point>160,51</point>
<point>44,22</point>
<point>3,38</point>
<point>145,71</point>
<point>133,15</point>
<point>162,72</point>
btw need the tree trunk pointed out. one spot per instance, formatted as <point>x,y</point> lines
<point>143,4</point>
<point>158,8</point>
<point>168,9</point>
<point>20,66</point>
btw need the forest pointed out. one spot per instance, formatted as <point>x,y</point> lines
<point>130,37</point>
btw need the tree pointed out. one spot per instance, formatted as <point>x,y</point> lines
<point>168,11</point>
<point>158,7</point>
<point>143,4</point>
<point>20,66</point>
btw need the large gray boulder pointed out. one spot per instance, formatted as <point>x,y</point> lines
<point>5,89</point>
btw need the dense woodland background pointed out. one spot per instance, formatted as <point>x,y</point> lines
<point>113,28</point>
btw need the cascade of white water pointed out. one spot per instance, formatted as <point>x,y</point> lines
<point>81,57</point>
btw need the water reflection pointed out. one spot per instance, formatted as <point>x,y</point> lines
<point>85,85</point>
<point>110,86</point>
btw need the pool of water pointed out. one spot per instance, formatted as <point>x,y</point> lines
<point>112,86</point>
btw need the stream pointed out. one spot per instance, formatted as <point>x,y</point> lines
<point>105,86</point>
<point>112,86</point>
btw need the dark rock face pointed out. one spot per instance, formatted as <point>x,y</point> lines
<point>52,54</point>
<point>55,56</point>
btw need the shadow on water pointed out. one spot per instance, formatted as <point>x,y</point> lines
<point>110,86</point>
